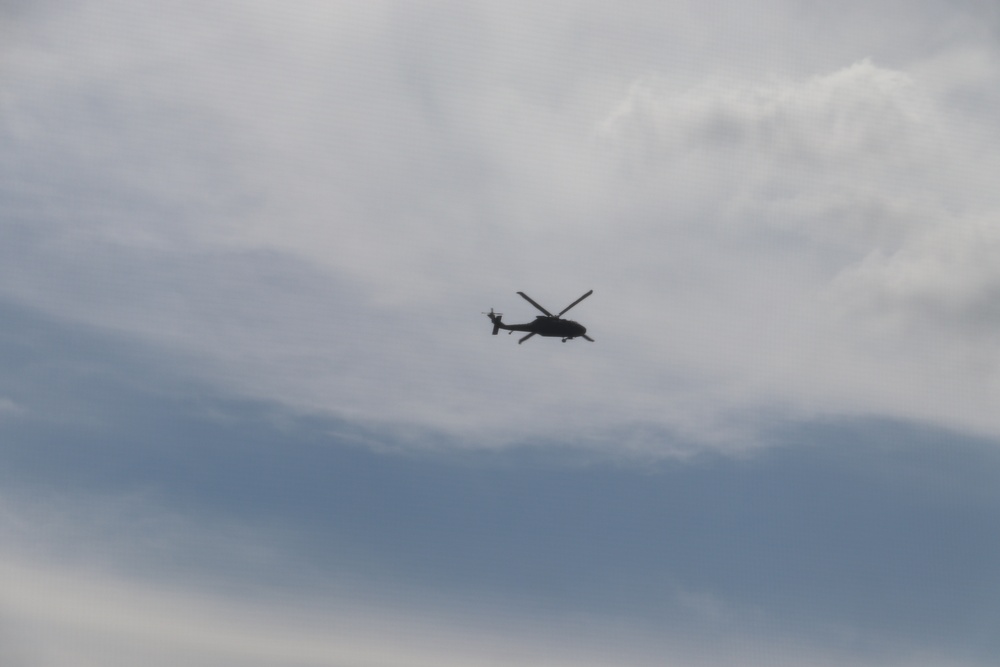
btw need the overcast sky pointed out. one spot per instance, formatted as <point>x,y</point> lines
<point>251,413</point>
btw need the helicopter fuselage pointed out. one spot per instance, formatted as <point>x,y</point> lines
<point>553,327</point>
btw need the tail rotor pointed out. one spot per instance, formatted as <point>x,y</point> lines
<point>495,319</point>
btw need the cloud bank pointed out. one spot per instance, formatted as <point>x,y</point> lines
<point>316,215</point>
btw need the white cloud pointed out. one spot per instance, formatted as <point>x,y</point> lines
<point>818,179</point>
<point>316,214</point>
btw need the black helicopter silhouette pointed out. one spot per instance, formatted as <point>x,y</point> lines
<point>544,325</point>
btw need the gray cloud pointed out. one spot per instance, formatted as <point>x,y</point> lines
<point>185,524</point>
<point>149,515</point>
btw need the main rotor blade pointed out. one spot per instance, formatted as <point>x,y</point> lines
<point>529,300</point>
<point>572,304</point>
<point>526,338</point>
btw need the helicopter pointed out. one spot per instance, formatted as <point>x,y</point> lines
<point>544,325</point>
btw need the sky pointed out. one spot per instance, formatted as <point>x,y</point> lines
<point>251,411</point>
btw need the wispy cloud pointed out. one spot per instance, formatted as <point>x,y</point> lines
<point>56,615</point>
